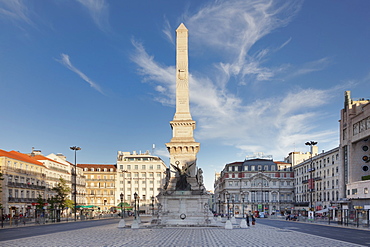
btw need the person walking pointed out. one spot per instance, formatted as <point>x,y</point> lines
<point>253,220</point>
<point>247,218</point>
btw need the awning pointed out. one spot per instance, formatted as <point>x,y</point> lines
<point>88,206</point>
<point>325,210</point>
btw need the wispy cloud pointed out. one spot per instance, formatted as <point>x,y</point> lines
<point>310,67</point>
<point>229,30</point>
<point>64,59</point>
<point>15,11</point>
<point>168,31</point>
<point>99,12</point>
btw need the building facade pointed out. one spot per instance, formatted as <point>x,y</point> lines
<point>318,185</point>
<point>100,186</point>
<point>257,185</point>
<point>23,182</point>
<point>140,173</point>
<point>355,151</point>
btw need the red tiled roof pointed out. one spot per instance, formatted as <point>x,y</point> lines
<point>19,156</point>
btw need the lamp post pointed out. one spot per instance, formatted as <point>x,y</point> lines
<point>233,201</point>
<point>228,208</point>
<point>121,196</point>
<point>75,149</point>
<point>243,197</point>
<point>135,197</point>
<point>311,144</point>
<point>219,204</point>
<point>152,205</point>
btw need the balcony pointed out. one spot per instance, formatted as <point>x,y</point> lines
<point>317,179</point>
<point>305,181</point>
<point>24,200</point>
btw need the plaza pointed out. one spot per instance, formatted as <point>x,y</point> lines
<point>109,234</point>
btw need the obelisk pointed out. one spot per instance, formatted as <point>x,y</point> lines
<point>183,200</point>
<point>182,147</point>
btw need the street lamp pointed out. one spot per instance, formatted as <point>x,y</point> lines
<point>152,205</point>
<point>311,144</point>
<point>228,208</point>
<point>243,197</point>
<point>75,148</point>
<point>233,200</point>
<point>121,196</point>
<point>219,204</point>
<point>135,197</point>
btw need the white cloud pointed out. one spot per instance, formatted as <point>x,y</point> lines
<point>67,63</point>
<point>16,11</point>
<point>310,67</point>
<point>229,30</point>
<point>99,12</point>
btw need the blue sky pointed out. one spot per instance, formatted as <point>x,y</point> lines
<point>265,76</point>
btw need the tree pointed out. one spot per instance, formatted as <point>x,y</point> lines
<point>62,191</point>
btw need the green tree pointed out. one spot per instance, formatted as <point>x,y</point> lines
<point>40,202</point>
<point>62,191</point>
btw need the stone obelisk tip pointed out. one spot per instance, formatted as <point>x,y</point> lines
<point>181,27</point>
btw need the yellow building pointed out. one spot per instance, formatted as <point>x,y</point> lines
<point>100,185</point>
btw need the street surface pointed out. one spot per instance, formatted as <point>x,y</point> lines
<point>106,233</point>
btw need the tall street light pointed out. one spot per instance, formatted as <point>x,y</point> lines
<point>243,197</point>
<point>75,149</point>
<point>233,200</point>
<point>121,196</point>
<point>311,144</point>
<point>135,197</point>
<point>228,208</point>
<point>219,204</point>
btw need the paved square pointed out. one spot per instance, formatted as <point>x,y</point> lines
<point>111,235</point>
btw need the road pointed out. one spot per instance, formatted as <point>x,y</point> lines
<point>357,236</point>
<point>36,230</point>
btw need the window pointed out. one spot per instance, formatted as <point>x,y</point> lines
<point>128,167</point>
<point>105,169</point>
<point>150,167</point>
<point>354,191</point>
<point>253,168</point>
<point>158,167</point>
<point>366,190</point>
<point>143,167</point>
<point>136,167</point>
<point>98,169</point>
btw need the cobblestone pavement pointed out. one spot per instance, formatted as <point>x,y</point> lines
<point>111,235</point>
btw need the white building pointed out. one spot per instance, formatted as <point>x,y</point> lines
<point>266,186</point>
<point>142,173</point>
<point>320,185</point>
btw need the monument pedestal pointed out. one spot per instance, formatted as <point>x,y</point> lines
<point>185,208</point>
